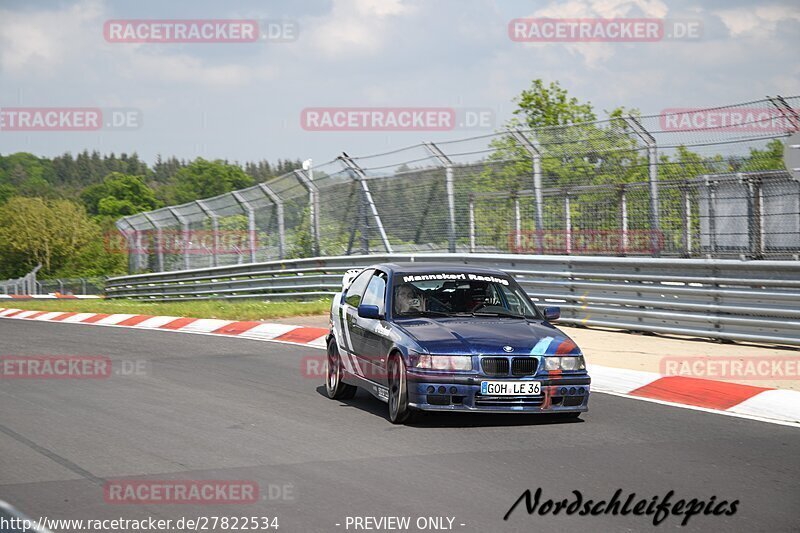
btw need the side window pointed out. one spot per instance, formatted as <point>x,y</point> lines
<point>376,292</point>
<point>356,289</point>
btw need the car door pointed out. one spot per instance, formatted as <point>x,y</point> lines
<point>353,340</point>
<point>376,343</point>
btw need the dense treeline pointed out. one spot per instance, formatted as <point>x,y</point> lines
<point>61,211</point>
<point>67,176</point>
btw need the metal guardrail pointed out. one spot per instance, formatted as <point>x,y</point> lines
<point>721,299</point>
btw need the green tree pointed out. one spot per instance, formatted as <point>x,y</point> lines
<point>770,158</point>
<point>203,179</point>
<point>119,195</point>
<point>6,192</point>
<point>551,105</point>
<point>50,232</point>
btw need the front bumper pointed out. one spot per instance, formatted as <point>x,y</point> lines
<point>562,394</point>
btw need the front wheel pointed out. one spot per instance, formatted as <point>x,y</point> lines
<point>336,389</point>
<point>399,411</point>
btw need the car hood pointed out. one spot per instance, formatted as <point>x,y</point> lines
<point>455,336</point>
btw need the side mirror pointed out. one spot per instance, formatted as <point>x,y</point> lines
<point>369,311</point>
<point>552,313</point>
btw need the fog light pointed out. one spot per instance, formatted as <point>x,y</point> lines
<point>431,389</point>
<point>453,390</point>
<point>442,389</point>
<point>581,391</point>
<point>563,391</point>
<point>572,390</point>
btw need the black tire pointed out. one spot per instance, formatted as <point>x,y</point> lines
<point>399,411</point>
<point>336,389</point>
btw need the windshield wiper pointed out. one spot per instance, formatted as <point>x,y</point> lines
<point>423,313</point>
<point>497,313</point>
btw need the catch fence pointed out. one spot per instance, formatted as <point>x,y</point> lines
<point>706,183</point>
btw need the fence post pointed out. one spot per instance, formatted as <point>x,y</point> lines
<point>755,222</point>
<point>652,161</point>
<point>538,204</point>
<point>712,215</point>
<point>214,228</point>
<point>159,245</point>
<point>517,225</point>
<point>251,224</point>
<point>362,178</point>
<point>567,224</point>
<point>278,202</point>
<point>130,243</point>
<point>623,207</point>
<point>472,223</point>
<point>451,203</point>
<point>313,208</point>
<point>34,288</point>
<point>184,222</point>
<point>133,252</point>
<point>687,220</point>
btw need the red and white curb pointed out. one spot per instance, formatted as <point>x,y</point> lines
<point>733,399</point>
<point>263,331</point>
<point>723,397</point>
<point>55,296</point>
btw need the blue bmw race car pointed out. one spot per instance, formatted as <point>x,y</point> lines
<point>438,337</point>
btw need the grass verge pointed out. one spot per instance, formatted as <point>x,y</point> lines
<point>225,310</point>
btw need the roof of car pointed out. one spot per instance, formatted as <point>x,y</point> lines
<point>438,267</point>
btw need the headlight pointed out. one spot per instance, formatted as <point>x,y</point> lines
<point>565,363</point>
<point>445,362</point>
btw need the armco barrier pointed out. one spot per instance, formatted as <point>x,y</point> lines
<point>755,301</point>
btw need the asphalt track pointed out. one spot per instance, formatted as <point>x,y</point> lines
<point>204,407</point>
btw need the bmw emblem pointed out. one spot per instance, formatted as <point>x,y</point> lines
<point>508,348</point>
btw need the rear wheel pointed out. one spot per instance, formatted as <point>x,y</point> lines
<point>399,411</point>
<point>336,389</point>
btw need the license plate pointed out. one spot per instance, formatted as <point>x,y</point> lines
<point>511,388</point>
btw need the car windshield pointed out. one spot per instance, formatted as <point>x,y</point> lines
<point>460,294</point>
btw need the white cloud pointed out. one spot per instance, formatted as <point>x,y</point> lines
<point>41,42</point>
<point>68,44</point>
<point>595,54</point>
<point>757,21</point>
<point>602,8</point>
<point>355,26</point>
<point>187,69</point>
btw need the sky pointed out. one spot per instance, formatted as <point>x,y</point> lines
<point>245,101</point>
